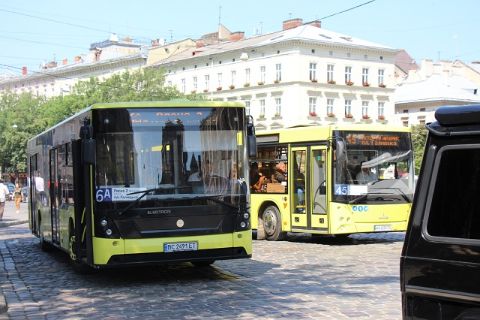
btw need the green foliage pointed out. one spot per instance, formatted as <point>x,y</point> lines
<point>419,137</point>
<point>24,116</point>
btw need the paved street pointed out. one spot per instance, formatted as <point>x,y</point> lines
<point>302,278</point>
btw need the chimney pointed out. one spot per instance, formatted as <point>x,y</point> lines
<point>24,71</point>
<point>292,23</point>
<point>65,61</point>
<point>237,36</point>
<point>315,23</point>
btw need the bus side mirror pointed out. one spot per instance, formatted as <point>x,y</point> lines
<point>340,149</point>
<point>88,151</point>
<point>251,139</point>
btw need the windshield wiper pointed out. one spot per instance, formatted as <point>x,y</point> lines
<point>144,193</point>
<point>376,195</point>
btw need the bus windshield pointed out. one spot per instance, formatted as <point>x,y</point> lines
<point>168,153</point>
<point>373,167</point>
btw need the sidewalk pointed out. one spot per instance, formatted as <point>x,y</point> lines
<point>11,218</point>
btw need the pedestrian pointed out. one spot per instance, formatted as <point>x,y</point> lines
<point>17,196</point>
<point>3,197</point>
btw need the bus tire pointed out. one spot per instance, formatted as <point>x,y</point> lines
<point>205,263</point>
<point>272,224</point>
<point>77,265</point>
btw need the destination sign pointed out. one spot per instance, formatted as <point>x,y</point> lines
<point>378,140</point>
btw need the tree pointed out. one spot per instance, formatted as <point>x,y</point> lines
<point>419,137</point>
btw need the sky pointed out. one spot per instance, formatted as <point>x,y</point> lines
<point>36,31</point>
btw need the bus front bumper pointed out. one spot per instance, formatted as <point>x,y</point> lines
<point>117,252</point>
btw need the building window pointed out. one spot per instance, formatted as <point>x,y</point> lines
<point>381,109</point>
<point>183,85</point>
<point>422,122</point>
<point>365,109</point>
<point>422,109</point>
<point>233,76</point>
<point>219,80</point>
<point>278,72</point>
<point>312,106</point>
<point>278,107</point>
<point>365,77</point>
<point>381,74</point>
<point>330,78</point>
<point>348,75</point>
<point>207,82</point>
<point>405,123</point>
<point>348,108</point>
<point>405,110</point>
<point>262,74</point>
<point>195,83</point>
<point>262,108</point>
<point>247,107</point>
<point>247,75</point>
<point>313,71</point>
<point>330,103</point>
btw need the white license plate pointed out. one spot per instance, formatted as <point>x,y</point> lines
<point>180,246</point>
<point>383,227</point>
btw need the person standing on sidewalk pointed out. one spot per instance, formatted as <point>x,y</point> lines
<point>17,196</point>
<point>3,197</point>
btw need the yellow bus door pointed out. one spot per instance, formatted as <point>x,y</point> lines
<point>318,189</point>
<point>297,186</point>
<point>307,188</point>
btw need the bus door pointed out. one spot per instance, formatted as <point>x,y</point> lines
<point>54,194</point>
<point>307,187</point>
<point>318,183</point>
<point>32,194</point>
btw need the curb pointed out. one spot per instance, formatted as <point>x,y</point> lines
<point>12,223</point>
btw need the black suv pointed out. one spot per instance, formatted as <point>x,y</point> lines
<point>440,262</point>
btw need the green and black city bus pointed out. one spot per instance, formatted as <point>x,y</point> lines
<point>144,182</point>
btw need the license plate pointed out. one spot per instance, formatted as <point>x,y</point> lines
<point>180,246</point>
<point>384,227</point>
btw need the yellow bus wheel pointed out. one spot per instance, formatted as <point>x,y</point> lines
<point>272,224</point>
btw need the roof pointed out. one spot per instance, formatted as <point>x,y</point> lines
<point>307,33</point>
<point>436,88</point>
<point>405,62</point>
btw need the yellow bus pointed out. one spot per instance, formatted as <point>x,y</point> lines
<point>332,180</point>
<point>144,182</point>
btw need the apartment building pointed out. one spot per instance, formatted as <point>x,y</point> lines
<point>301,75</point>
<point>56,78</point>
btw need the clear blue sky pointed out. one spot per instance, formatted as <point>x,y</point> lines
<point>33,31</point>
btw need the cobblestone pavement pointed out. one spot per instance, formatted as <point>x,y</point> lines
<point>303,278</point>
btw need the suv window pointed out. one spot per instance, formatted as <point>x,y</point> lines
<point>454,208</point>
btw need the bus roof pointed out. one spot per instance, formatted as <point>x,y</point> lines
<point>314,133</point>
<point>165,104</point>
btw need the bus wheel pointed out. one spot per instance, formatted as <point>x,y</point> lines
<point>272,224</point>
<point>77,265</point>
<point>205,263</point>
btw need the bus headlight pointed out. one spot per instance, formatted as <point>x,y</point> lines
<point>246,216</point>
<point>103,222</point>
<point>243,224</point>
<point>108,232</point>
